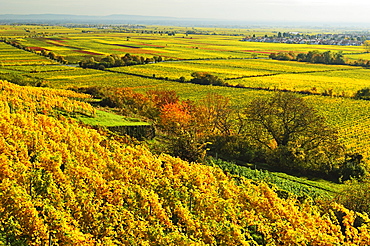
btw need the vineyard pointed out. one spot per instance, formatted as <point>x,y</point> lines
<point>63,184</point>
<point>10,56</point>
<point>180,47</point>
<point>67,180</point>
<point>226,69</point>
<point>316,78</point>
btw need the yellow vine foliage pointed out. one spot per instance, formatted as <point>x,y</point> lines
<point>62,184</point>
<point>15,98</point>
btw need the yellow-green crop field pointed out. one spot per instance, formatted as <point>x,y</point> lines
<point>177,47</point>
<point>223,55</point>
<point>339,82</point>
<point>11,56</point>
<point>261,73</point>
<point>19,31</point>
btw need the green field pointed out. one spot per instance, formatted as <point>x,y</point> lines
<point>107,119</point>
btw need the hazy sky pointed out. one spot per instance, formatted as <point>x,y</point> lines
<point>258,10</point>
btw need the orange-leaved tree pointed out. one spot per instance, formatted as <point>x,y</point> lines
<point>192,128</point>
<point>178,122</point>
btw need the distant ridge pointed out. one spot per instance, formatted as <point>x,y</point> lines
<point>123,19</point>
<point>109,19</point>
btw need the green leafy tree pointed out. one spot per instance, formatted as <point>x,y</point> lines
<point>158,58</point>
<point>301,57</point>
<point>294,134</point>
<point>327,57</point>
<point>204,78</point>
<point>338,58</point>
<point>52,55</point>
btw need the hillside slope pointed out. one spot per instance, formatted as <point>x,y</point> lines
<point>63,184</point>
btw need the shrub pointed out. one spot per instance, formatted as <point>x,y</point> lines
<point>363,94</point>
<point>204,78</point>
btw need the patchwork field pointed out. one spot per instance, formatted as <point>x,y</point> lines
<point>11,56</point>
<point>181,46</point>
<point>223,55</point>
<point>262,73</point>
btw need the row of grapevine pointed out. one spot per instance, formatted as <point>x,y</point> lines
<point>228,69</point>
<point>17,99</point>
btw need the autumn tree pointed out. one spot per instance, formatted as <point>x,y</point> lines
<point>52,55</point>
<point>126,100</point>
<point>214,112</point>
<point>216,118</point>
<point>293,133</point>
<point>192,128</point>
<point>158,99</point>
<point>182,132</point>
<point>162,97</point>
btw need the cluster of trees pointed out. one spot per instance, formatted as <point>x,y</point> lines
<point>117,61</point>
<point>362,94</point>
<point>204,78</point>
<point>296,136</point>
<point>54,56</point>
<point>286,35</point>
<point>315,56</point>
<point>282,131</point>
<point>361,62</point>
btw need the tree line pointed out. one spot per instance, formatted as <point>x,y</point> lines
<point>282,131</point>
<point>315,56</point>
<point>117,61</point>
<point>327,57</point>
